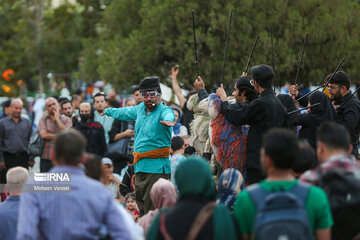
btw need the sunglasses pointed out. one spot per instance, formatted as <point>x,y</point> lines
<point>151,94</point>
<point>331,88</point>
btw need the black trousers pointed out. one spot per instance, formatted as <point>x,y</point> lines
<point>45,165</point>
<point>14,160</point>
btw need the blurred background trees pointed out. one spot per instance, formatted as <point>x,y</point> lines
<point>121,41</point>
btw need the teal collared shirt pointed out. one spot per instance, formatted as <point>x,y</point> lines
<point>106,122</point>
<point>150,134</point>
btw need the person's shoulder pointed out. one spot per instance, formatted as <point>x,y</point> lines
<point>2,120</point>
<point>26,120</point>
<point>95,124</point>
<point>163,107</point>
<point>316,192</point>
<point>95,185</point>
<point>245,195</point>
<point>310,176</point>
<point>259,102</point>
<point>117,176</point>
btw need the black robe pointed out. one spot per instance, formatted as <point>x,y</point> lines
<point>261,114</point>
<point>349,115</point>
<point>289,104</point>
<point>319,114</point>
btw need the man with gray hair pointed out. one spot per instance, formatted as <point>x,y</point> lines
<point>50,124</point>
<point>9,210</point>
<point>15,133</point>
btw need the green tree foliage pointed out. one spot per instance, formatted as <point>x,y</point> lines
<point>35,37</point>
<point>122,41</point>
<point>142,38</point>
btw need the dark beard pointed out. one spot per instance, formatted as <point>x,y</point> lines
<point>337,97</point>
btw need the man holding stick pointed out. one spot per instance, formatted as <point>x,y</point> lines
<point>261,114</point>
<point>346,105</point>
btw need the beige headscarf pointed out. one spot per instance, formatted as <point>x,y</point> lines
<point>163,194</point>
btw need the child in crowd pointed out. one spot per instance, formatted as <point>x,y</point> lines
<point>110,179</point>
<point>131,206</point>
<point>177,147</point>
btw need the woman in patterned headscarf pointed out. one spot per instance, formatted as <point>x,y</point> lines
<point>229,186</point>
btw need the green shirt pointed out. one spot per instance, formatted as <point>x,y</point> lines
<point>316,205</point>
<point>150,134</point>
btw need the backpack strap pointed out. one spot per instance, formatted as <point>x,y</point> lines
<point>301,190</point>
<point>163,227</point>
<point>196,226</point>
<point>258,194</point>
<point>200,220</point>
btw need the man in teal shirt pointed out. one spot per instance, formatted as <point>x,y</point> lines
<point>153,128</point>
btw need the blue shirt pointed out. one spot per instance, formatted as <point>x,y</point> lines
<point>9,211</point>
<point>150,134</point>
<point>106,122</point>
<point>78,214</point>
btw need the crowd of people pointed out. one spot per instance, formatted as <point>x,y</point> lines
<point>252,165</point>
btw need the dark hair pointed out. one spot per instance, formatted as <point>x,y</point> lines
<point>75,97</point>
<point>281,145</point>
<point>69,146</point>
<point>340,78</point>
<point>263,75</point>
<point>178,110</point>
<point>305,159</point>
<point>119,160</point>
<point>333,135</point>
<point>93,167</point>
<point>176,143</point>
<point>243,84</point>
<point>136,89</point>
<point>65,102</point>
<point>62,99</point>
<point>129,195</point>
<point>190,150</point>
<point>78,91</point>
<point>99,94</point>
<point>6,104</point>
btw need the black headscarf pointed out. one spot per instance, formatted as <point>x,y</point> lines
<point>289,104</point>
<point>323,112</point>
<point>287,101</point>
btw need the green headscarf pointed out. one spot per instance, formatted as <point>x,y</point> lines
<point>193,178</point>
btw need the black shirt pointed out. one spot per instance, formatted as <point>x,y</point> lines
<point>94,134</point>
<point>261,114</point>
<point>349,115</point>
